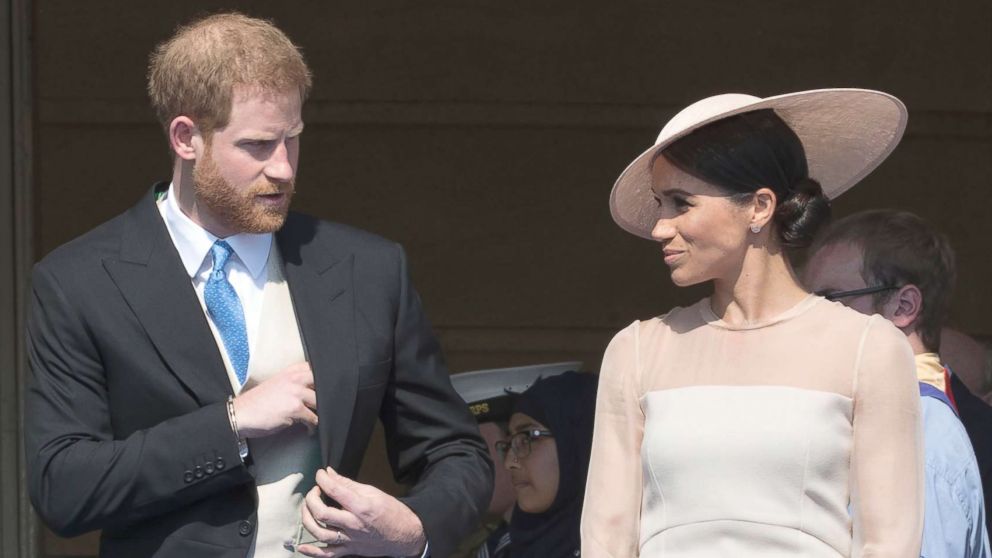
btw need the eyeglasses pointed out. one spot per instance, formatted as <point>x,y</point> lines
<point>857,292</point>
<point>520,442</point>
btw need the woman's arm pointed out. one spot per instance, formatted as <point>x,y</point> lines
<point>887,458</point>
<point>612,508</point>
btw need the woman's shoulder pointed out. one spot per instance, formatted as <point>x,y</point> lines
<point>653,330</point>
<point>834,316</point>
<point>837,312</point>
<point>870,337</point>
<point>828,317</point>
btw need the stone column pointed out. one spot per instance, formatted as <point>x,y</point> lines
<point>18,534</point>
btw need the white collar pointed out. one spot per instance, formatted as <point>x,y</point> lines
<point>194,242</point>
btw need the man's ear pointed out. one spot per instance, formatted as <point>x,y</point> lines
<point>905,306</point>
<point>185,139</point>
<point>764,204</point>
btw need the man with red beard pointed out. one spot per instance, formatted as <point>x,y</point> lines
<point>207,367</point>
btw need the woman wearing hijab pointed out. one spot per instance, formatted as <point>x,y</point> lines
<point>547,456</point>
<point>762,421</point>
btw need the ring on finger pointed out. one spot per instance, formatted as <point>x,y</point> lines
<point>337,539</point>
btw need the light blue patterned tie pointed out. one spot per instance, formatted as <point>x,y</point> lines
<point>224,307</point>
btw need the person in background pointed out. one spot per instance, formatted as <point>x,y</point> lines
<point>547,456</point>
<point>490,395</point>
<point>893,264</point>
<point>970,363</point>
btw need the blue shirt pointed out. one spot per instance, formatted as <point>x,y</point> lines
<point>954,510</point>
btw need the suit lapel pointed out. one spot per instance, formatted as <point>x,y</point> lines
<point>155,285</point>
<point>320,283</point>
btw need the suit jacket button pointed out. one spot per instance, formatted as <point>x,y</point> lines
<point>245,528</point>
<point>198,472</point>
<point>188,477</point>
<point>209,467</point>
<point>219,463</point>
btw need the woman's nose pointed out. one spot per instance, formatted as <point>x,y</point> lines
<point>510,460</point>
<point>663,230</point>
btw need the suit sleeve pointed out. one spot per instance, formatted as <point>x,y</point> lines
<point>82,478</point>
<point>432,440</point>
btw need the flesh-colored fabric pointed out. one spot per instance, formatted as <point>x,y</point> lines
<point>929,370</point>
<point>713,440</point>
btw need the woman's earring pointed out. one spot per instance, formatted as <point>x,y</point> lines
<point>755,228</point>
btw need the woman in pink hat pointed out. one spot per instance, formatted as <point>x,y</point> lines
<point>762,421</point>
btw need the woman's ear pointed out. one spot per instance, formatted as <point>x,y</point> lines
<point>763,208</point>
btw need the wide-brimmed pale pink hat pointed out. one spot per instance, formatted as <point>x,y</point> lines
<point>846,133</point>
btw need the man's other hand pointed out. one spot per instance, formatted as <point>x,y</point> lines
<point>281,401</point>
<point>369,523</point>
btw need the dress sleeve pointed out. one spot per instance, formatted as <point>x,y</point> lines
<point>611,511</point>
<point>887,456</point>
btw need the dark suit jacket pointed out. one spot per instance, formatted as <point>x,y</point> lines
<point>125,411</point>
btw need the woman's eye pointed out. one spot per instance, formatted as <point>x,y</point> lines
<point>258,144</point>
<point>682,204</point>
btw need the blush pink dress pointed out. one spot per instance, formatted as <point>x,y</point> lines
<point>797,436</point>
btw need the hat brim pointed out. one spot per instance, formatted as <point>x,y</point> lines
<point>846,134</point>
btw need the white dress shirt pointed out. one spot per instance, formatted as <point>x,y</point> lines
<point>246,269</point>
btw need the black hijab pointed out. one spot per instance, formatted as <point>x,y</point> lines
<point>566,404</point>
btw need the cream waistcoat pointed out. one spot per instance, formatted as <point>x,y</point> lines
<point>284,463</point>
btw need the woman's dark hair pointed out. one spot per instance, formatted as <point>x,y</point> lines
<point>753,150</point>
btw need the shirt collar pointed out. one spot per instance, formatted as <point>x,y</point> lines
<point>929,370</point>
<point>193,242</point>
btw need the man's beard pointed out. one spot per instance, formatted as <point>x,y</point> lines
<point>240,210</point>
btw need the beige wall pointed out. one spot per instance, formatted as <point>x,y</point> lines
<point>485,137</point>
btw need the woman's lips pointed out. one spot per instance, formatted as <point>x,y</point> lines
<point>672,255</point>
<point>518,482</point>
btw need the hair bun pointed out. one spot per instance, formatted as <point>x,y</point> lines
<point>801,214</point>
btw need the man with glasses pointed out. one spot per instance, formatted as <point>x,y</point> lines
<point>893,264</point>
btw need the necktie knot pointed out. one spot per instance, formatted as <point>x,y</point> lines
<point>220,251</point>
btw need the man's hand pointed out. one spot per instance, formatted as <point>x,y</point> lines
<point>369,523</point>
<point>277,403</point>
